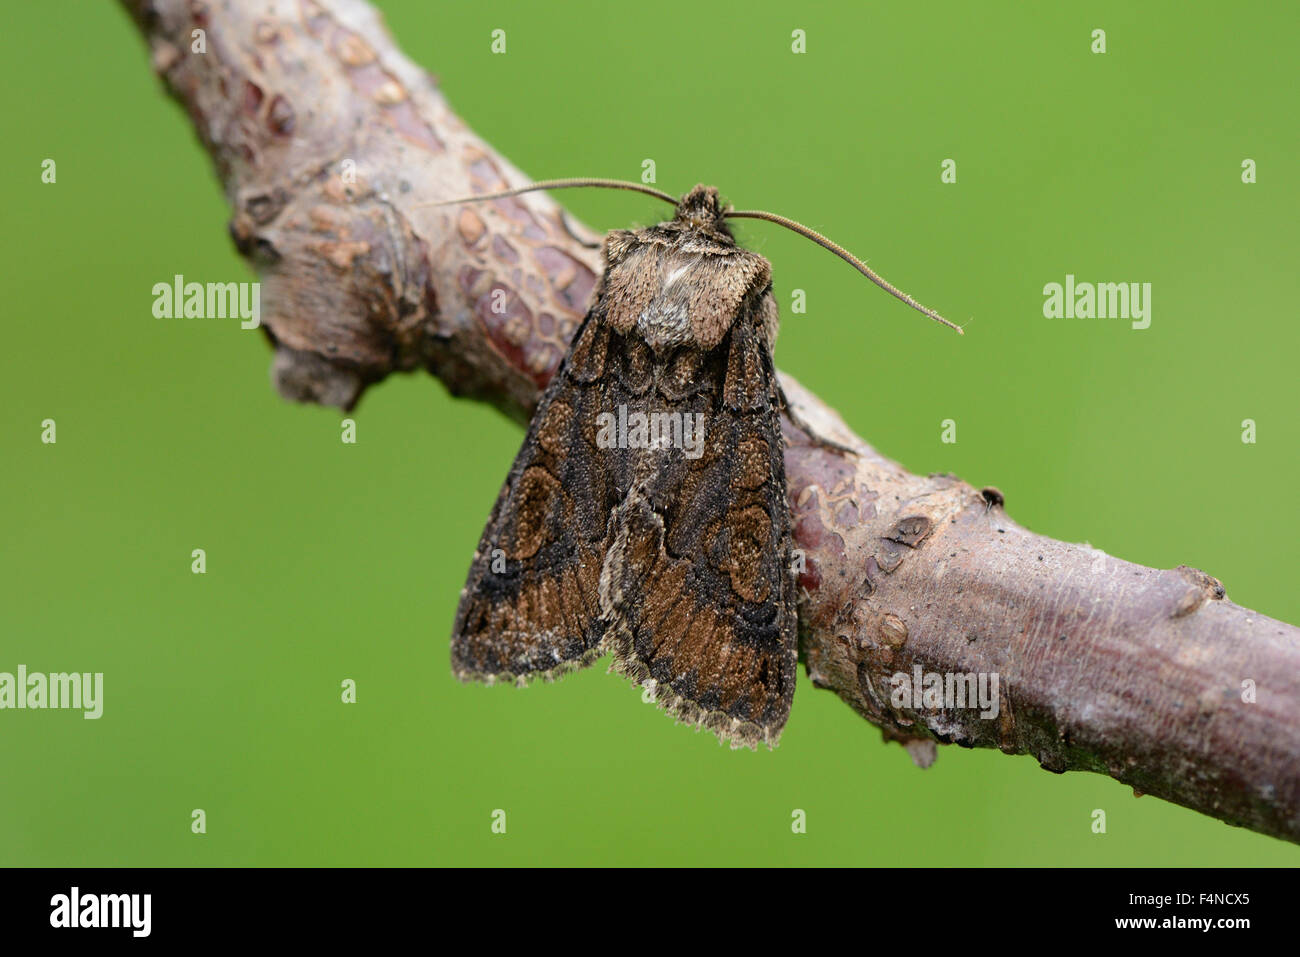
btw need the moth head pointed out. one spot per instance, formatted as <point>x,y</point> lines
<point>702,210</point>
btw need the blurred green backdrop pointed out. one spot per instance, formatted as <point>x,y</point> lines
<point>328,561</point>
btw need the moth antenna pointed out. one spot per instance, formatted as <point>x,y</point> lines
<point>847,256</point>
<point>558,184</point>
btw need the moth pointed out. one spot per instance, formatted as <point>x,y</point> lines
<point>646,512</point>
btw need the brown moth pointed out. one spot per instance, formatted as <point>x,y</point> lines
<point>646,512</point>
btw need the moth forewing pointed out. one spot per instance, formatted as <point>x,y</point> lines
<point>528,609</point>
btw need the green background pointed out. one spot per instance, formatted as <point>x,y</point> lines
<point>328,561</point>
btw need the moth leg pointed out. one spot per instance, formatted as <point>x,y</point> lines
<point>803,426</point>
<point>584,243</point>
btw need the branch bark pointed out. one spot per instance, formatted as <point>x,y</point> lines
<point>327,140</point>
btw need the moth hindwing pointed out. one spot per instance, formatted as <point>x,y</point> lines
<point>646,511</point>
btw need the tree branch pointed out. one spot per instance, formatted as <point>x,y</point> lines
<point>1103,665</point>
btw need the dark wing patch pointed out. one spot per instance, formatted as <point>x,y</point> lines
<point>530,606</point>
<point>697,588</point>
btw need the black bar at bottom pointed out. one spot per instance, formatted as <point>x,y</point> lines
<point>93,906</point>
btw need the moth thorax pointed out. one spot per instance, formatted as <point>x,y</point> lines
<point>666,325</point>
<point>665,322</point>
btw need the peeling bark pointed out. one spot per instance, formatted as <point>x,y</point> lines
<point>1103,665</point>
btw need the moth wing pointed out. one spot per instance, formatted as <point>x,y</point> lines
<point>697,585</point>
<point>530,606</point>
